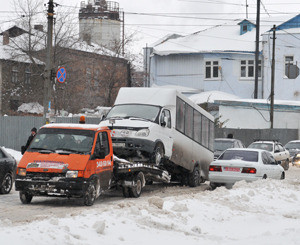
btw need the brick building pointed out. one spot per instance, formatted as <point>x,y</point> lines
<point>94,76</point>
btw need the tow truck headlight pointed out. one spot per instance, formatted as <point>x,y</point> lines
<point>142,133</point>
<point>72,174</point>
<point>21,171</point>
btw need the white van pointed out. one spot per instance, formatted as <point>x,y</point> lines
<point>164,127</point>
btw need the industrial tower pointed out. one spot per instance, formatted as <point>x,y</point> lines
<point>100,23</point>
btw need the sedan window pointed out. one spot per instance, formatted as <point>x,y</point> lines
<point>250,156</point>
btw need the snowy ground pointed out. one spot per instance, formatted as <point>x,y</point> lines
<point>263,212</point>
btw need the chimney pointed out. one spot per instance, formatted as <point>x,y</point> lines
<point>39,28</point>
<point>5,38</point>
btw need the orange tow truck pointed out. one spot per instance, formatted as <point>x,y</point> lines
<point>76,160</point>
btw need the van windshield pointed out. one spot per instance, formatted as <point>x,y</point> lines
<point>148,112</point>
<point>222,145</point>
<point>68,140</point>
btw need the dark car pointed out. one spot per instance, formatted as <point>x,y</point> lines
<point>222,144</point>
<point>293,147</point>
<point>8,167</point>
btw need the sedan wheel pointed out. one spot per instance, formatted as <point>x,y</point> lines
<point>282,175</point>
<point>6,184</point>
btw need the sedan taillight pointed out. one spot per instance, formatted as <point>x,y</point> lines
<point>249,170</point>
<point>215,168</point>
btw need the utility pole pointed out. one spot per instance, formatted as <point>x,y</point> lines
<point>247,9</point>
<point>48,70</point>
<point>257,49</point>
<point>272,79</point>
<point>123,35</point>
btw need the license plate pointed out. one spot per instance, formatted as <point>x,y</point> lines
<point>118,144</point>
<point>232,169</point>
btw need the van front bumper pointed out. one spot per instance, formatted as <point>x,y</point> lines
<point>66,187</point>
<point>130,146</point>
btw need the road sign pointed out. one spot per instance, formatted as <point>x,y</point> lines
<point>61,75</point>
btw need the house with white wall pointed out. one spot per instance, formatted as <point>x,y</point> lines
<point>222,58</point>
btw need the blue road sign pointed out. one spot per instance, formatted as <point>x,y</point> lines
<point>61,75</point>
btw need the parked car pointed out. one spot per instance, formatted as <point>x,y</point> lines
<point>222,144</point>
<point>243,164</point>
<point>296,159</point>
<point>8,167</point>
<point>277,150</point>
<point>293,147</point>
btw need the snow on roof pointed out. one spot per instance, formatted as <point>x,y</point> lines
<point>10,53</point>
<point>75,126</point>
<point>211,96</point>
<point>181,89</point>
<point>221,38</point>
<point>260,101</point>
<point>165,38</point>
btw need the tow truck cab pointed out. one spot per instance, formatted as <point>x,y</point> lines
<point>72,160</point>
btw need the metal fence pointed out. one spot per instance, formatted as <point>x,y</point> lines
<point>247,136</point>
<point>14,131</point>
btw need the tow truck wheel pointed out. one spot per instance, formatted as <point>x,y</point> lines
<point>194,178</point>
<point>136,190</point>
<point>6,185</point>
<point>89,195</point>
<point>25,197</point>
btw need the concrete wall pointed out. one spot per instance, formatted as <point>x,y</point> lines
<point>247,136</point>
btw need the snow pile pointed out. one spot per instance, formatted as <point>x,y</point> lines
<point>34,108</point>
<point>262,212</point>
<point>211,96</point>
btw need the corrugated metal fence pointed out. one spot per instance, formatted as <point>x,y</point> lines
<point>14,131</point>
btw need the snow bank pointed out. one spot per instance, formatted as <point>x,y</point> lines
<point>262,212</point>
<point>34,108</point>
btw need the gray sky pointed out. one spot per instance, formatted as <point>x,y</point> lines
<point>195,14</point>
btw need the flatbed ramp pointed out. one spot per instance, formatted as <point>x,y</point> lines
<point>134,176</point>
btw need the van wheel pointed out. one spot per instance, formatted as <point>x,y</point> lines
<point>285,164</point>
<point>89,195</point>
<point>158,154</point>
<point>136,190</point>
<point>25,197</point>
<point>194,178</point>
<point>6,185</point>
<point>125,190</point>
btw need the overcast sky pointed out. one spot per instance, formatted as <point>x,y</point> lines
<point>185,16</point>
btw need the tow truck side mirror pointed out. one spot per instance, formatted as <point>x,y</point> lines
<point>98,154</point>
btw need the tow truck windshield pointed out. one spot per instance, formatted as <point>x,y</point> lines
<point>64,141</point>
<point>148,112</point>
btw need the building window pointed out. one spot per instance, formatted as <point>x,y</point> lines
<point>247,69</point>
<point>27,75</point>
<point>88,76</point>
<point>211,69</point>
<point>96,78</point>
<point>14,75</point>
<point>245,29</point>
<point>291,68</point>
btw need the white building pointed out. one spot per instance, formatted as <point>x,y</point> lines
<point>222,58</point>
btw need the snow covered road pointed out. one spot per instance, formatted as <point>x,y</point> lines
<point>263,212</point>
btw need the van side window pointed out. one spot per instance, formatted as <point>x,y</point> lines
<point>189,121</point>
<point>197,126</point>
<point>180,115</point>
<point>102,143</point>
<point>167,114</point>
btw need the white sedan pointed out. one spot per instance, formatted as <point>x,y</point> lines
<point>243,164</point>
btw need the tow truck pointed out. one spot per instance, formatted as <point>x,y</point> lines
<point>77,160</point>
